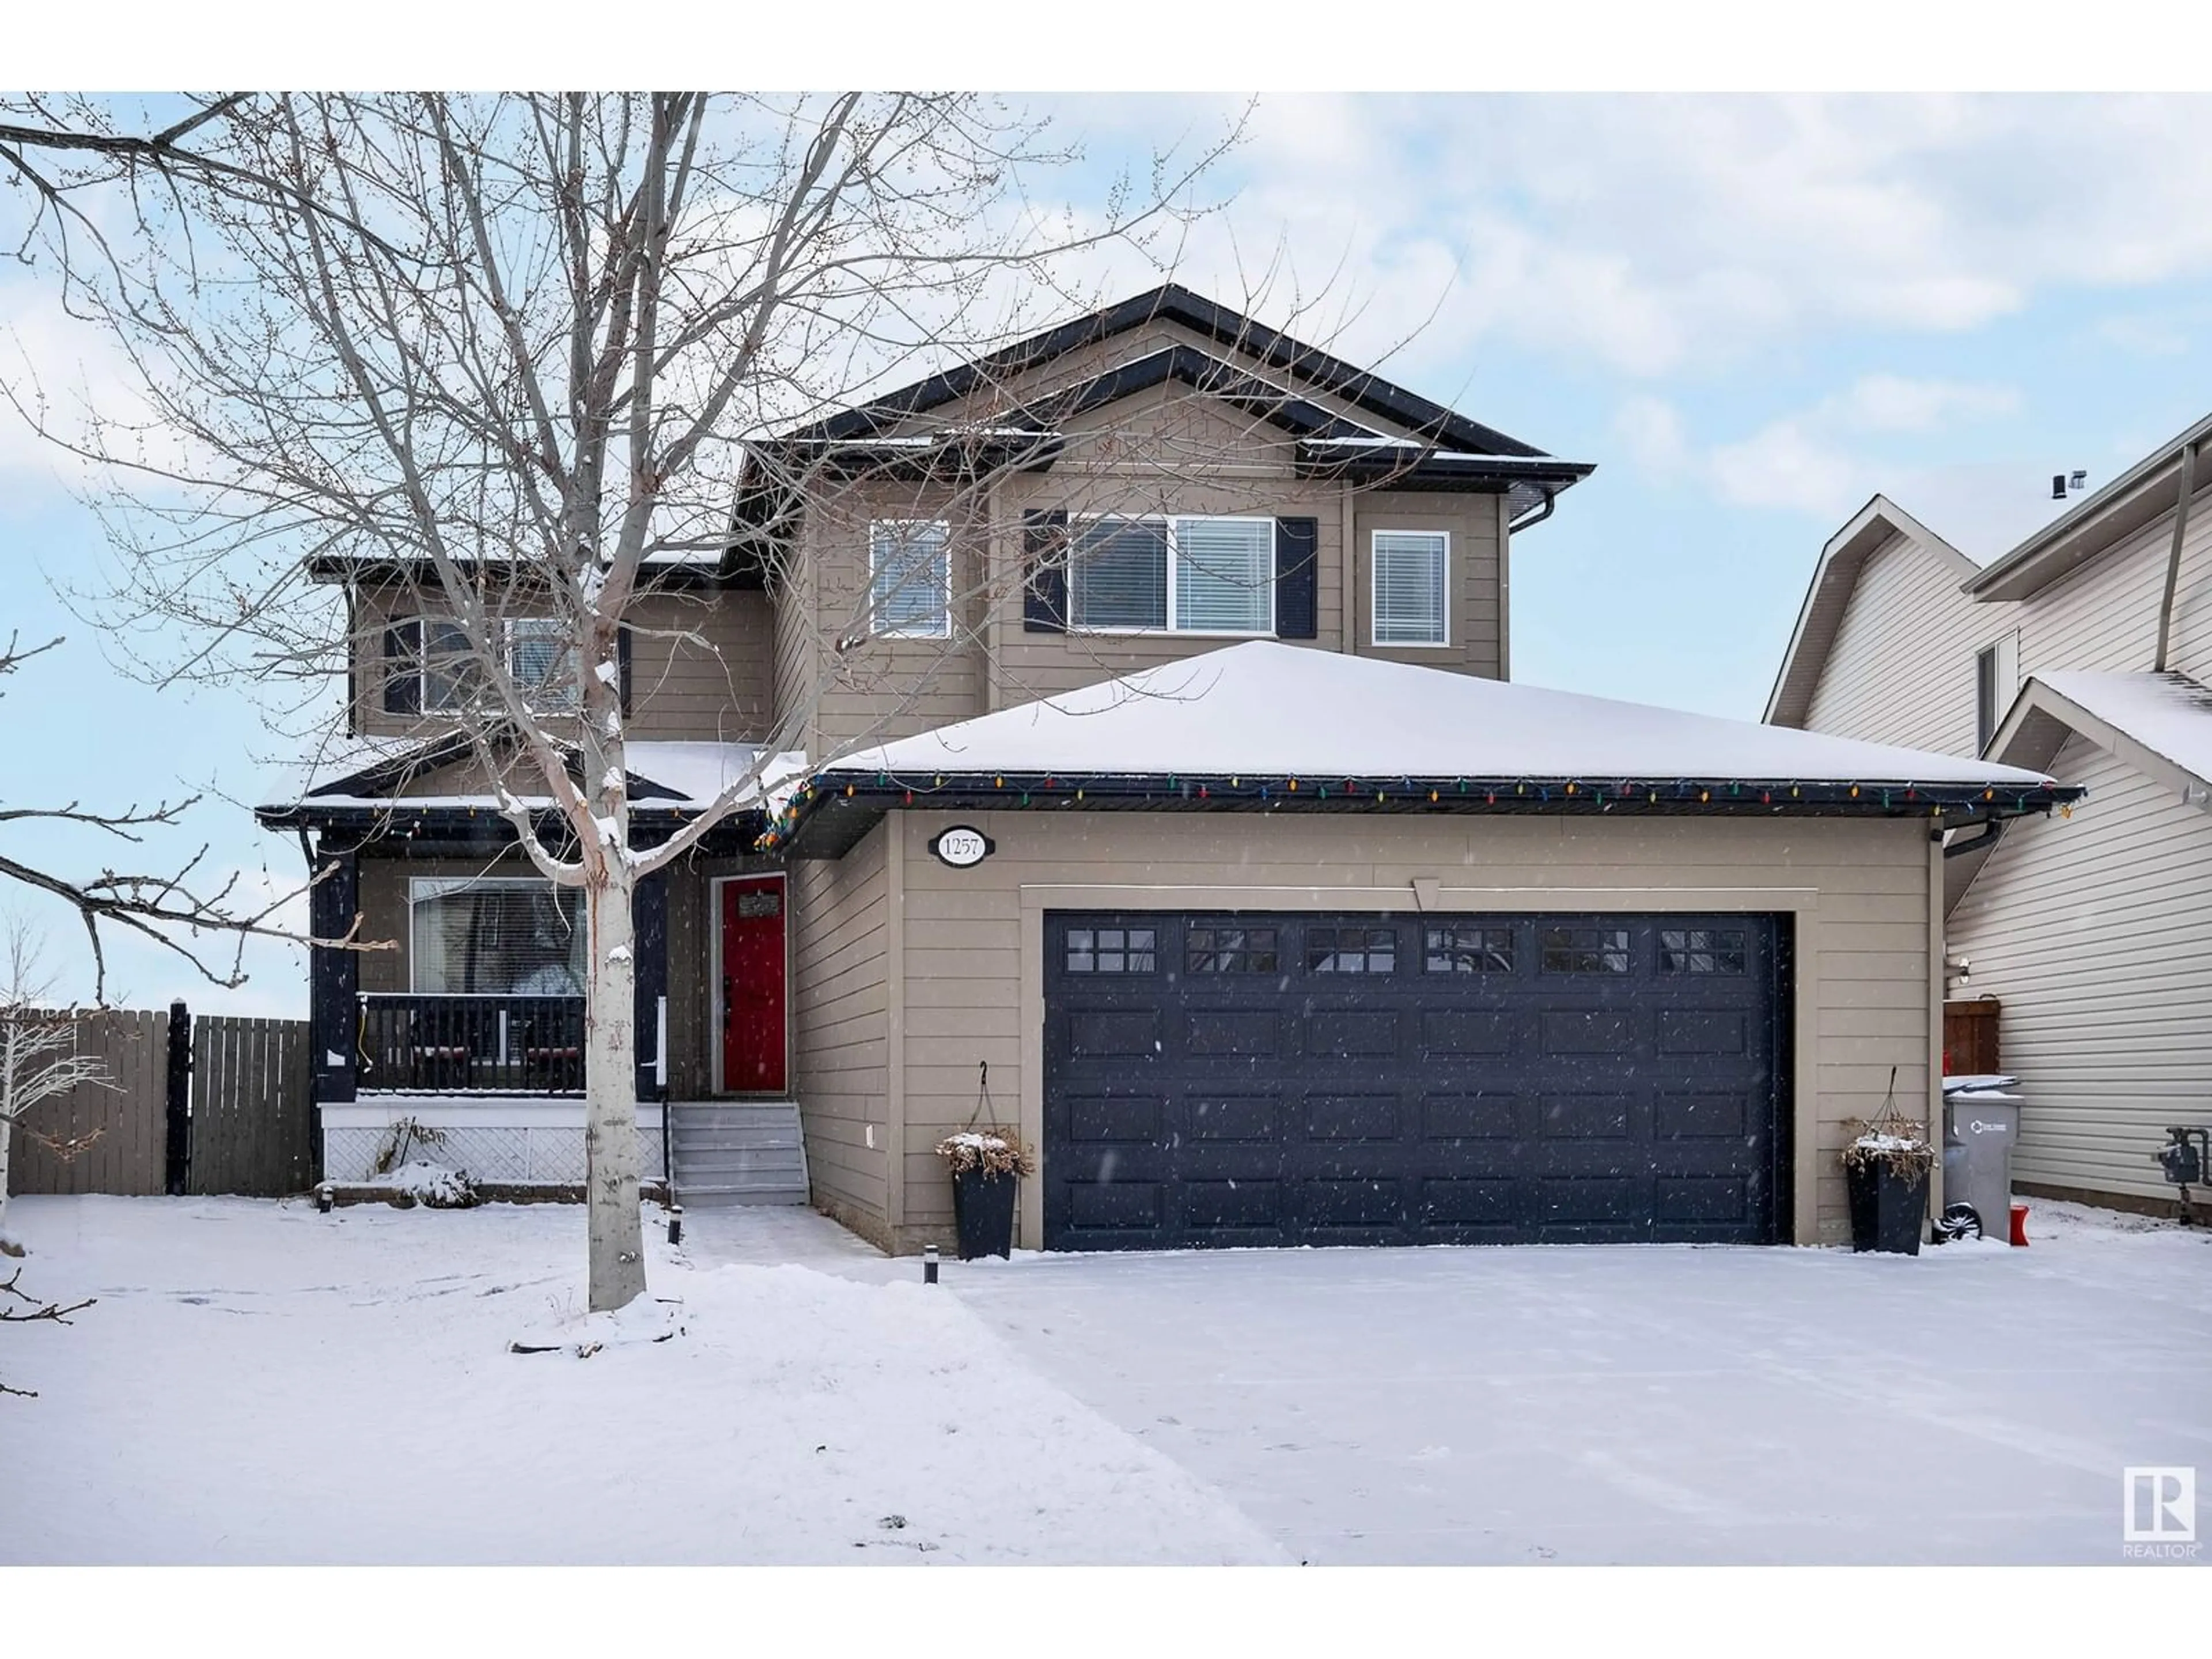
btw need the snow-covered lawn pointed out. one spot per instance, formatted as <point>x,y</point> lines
<point>262,1383</point>
<point>1651,1404</point>
<point>259,1383</point>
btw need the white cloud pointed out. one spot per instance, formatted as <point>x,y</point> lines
<point>1650,430</point>
<point>1654,233</point>
<point>1817,461</point>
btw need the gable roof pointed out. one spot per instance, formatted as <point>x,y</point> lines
<point>2159,724</point>
<point>2098,523</point>
<point>1172,303</point>
<point>1828,596</point>
<point>1232,729</point>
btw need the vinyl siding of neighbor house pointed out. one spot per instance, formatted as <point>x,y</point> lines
<point>2104,615</point>
<point>967,985</point>
<point>2095,932</point>
<point>701,665</point>
<point>1901,668</point>
<point>841,1001</point>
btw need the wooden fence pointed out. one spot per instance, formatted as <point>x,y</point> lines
<point>252,1122</point>
<point>111,1136</point>
<point>230,1111</point>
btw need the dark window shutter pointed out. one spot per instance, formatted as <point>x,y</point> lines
<point>1044,573</point>
<point>622,655</point>
<point>403,668</point>
<point>1297,568</point>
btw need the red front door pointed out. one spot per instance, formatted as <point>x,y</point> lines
<point>752,986</point>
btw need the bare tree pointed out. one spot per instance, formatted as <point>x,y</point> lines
<point>176,905</point>
<point>54,1313</point>
<point>514,355</point>
<point>38,1057</point>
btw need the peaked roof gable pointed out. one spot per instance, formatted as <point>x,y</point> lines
<point>1172,302</point>
<point>1828,596</point>
<point>2159,723</point>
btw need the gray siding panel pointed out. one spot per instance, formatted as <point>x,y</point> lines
<point>2095,934</point>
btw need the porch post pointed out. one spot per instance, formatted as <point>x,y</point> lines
<point>334,976</point>
<point>649,934</point>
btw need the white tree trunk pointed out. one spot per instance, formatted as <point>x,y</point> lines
<point>617,1273</point>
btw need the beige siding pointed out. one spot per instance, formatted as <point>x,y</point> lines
<point>1476,626</point>
<point>1901,670</point>
<point>971,987</point>
<point>701,665</point>
<point>840,997</point>
<point>2095,934</point>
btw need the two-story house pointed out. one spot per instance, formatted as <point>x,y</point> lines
<point>2085,650</point>
<point>1151,781</point>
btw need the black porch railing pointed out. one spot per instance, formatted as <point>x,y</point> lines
<point>480,1044</point>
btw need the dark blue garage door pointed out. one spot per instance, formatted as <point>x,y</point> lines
<point>1243,1078</point>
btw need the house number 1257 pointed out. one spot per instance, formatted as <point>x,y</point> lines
<point>963,846</point>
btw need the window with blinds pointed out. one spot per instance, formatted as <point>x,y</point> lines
<point>1186,574</point>
<point>1410,586</point>
<point>542,656</point>
<point>504,936</point>
<point>910,578</point>
<point>1225,576</point>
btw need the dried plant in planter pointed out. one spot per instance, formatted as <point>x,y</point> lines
<point>1890,1140</point>
<point>994,1151</point>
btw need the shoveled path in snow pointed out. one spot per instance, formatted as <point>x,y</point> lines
<point>262,1383</point>
<point>1650,1404</point>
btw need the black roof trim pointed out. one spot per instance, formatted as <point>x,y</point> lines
<point>834,809</point>
<point>660,574</point>
<point>1172,303</point>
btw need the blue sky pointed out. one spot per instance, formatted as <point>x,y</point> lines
<point>1750,313</point>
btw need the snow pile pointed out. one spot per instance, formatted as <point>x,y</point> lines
<point>648,1319</point>
<point>421,1181</point>
<point>798,1410</point>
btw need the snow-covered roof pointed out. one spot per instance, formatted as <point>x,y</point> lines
<point>2168,714</point>
<point>665,775</point>
<point>1292,711</point>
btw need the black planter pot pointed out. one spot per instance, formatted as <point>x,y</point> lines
<point>1887,1207</point>
<point>983,1213</point>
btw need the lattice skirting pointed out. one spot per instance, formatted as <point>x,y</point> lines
<point>488,1153</point>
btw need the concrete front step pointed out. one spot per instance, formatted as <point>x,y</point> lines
<point>724,1197</point>
<point>737,1151</point>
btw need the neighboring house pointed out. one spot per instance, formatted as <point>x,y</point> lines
<point>2084,652</point>
<point>1281,918</point>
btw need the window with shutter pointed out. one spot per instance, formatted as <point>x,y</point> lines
<point>910,578</point>
<point>1187,575</point>
<point>1118,576</point>
<point>542,656</point>
<point>1410,586</point>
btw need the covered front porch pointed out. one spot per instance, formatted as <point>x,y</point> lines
<point>468,1029</point>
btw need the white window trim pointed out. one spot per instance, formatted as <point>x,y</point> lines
<point>1375,588</point>
<point>1169,520</point>
<point>423,888</point>
<point>944,630</point>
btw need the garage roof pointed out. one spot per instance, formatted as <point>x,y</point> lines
<point>1261,724</point>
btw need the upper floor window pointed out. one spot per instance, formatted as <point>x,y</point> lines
<point>542,656</point>
<point>1997,678</point>
<point>1410,584</point>
<point>910,578</point>
<point>430,668</point>
<point>1192,575</point>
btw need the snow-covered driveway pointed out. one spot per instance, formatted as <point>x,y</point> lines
<point>1654,1404</point>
